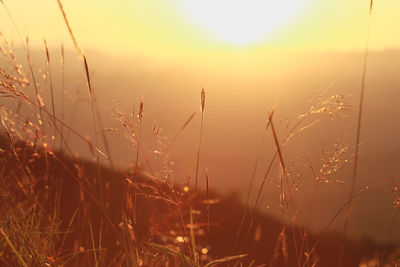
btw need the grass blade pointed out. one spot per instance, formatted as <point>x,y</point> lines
<point>225,260</point>
<point>171,251</point>
<point>21,260</point>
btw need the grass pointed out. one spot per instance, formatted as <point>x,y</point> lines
<point>202,106</point>
<point>358,135</point>
<point>57,209</point>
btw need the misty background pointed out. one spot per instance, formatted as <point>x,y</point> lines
<point>240,91</point>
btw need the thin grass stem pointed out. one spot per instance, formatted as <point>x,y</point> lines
<point>358,134</point>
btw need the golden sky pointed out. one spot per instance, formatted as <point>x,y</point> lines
<point>164,27</point>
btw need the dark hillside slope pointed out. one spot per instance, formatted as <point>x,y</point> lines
<point>129,216</point>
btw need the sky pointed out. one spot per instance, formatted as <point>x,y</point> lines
<point>171,28</point>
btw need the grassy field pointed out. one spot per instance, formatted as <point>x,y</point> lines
<point>58,209</point>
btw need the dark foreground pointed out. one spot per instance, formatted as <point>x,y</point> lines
<point>61,211</point>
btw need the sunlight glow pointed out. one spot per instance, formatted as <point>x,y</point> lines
<point>242,22</point>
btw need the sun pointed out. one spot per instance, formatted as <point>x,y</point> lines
<point>241,22</point>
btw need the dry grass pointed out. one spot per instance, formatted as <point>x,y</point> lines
<point>59,210</point>
<point>358,134</point>
<point>202,107</point>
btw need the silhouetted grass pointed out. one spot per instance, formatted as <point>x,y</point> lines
<point>57,209</point>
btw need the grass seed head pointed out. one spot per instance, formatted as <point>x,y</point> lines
<point>203,100</point>
<point>396,193</point>
<point>140,115</point>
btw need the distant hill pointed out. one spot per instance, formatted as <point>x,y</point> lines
<point>162,216</point>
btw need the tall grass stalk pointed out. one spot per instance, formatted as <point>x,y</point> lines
<point>208,199</point>
<point>53,108</point>
<point>358,134</point>
<point>270,164</point>
<point>140,118</point>
<point>332,160</point>
<point>71,33</point>
<point>202,106</point>
<point>288,136</point>
<point>92,108</point>
<point>90,91</point>
<point>286,175</point>
<point>107,148</point>
<point>35,87</point>
<point>93,246</point>
<point>314,194</point>
<point>283,165</point>
<point>322,106</point>
<point>39,105</point>
<point>253,174</point>
<point>170,145</point>
<point>192,238</point>
<point>62,63</point>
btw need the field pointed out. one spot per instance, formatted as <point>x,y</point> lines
<point>67,198</point>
